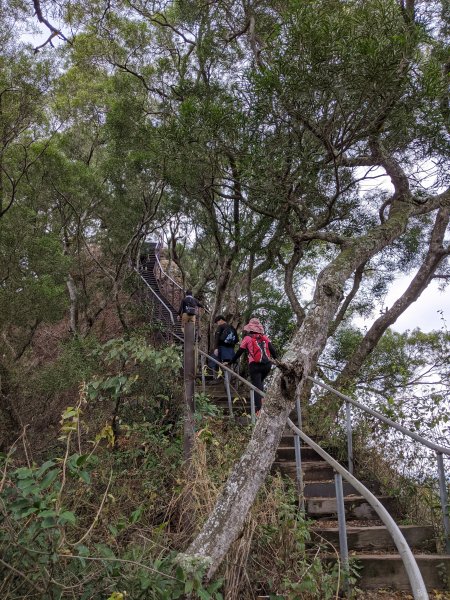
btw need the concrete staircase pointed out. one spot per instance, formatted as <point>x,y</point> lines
<point>370,545</point>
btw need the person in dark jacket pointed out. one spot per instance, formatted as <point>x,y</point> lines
<point>260,350</point>
<point>225,339</point>
<point>188,308</point>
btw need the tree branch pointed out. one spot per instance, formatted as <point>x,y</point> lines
<point>54,31</point>
<point>435,255</point>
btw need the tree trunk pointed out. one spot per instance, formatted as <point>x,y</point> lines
<point>222,285</point>
<point>189,388</point>
<point>74,304</point>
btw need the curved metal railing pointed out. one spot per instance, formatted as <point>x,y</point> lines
<point>439,450</point>
<point>415,578</point>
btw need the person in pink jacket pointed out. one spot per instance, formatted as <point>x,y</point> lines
<point>260,351</point>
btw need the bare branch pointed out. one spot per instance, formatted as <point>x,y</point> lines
<point>54,31</point>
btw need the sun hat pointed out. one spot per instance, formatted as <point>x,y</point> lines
<point>254,326</point>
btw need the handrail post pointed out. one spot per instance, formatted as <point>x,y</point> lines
<point>227,387</point>
<point>189,387</point>
<point>298,456</point>
<point>444,500</point>
<point>202,364</point>
<point>342,528</point>
<point>348,413</point>
<point>299,473</point>
<point>298,408</point>
<point>252,407</point>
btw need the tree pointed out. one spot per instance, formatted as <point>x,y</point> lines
<point>269,118</point>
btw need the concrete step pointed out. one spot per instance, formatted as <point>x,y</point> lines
<point>214,391</point>
<point>327,489</point>
<point>312,470</point>
<point>387,571</point>
<point>287,439</point>
<point>378,538</point>
<point>287,452</point>
<point>356,507</point>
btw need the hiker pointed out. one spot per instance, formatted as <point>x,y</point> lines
<point>225,339</point>
<point>188,308</point>
<point>260,350</point>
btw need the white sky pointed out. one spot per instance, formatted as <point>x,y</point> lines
<point>424,313</point>
<point>432,310</point>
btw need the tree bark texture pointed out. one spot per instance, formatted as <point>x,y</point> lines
<point>73,309</point>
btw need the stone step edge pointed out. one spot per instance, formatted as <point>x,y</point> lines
<point>355,528</point>
<point>349,497</point>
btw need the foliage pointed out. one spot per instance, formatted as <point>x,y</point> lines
<point>253,137</point>
<point>69,524</point>
<point>137,378</point>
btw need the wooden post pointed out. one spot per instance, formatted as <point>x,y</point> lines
<point>189,388</point>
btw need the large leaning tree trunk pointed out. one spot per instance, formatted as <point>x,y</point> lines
<point>226,521</point>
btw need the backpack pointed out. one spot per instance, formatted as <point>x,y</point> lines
<point>190,305</point>
<point>228,336</point>
<point>259,349</point>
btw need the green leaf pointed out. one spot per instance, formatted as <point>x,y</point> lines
<point>85,476</point>
<point>82,550</point>
<point>67,517</point>
<point>28,512</point>
<point>48,522</point>
<point>26,485</point>
<point>49,479</point>
<point>136,515</point>
<point>23,473</point>
<point>81,460</point>
<point>45,467</point>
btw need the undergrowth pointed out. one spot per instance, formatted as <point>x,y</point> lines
<point>105,516</point>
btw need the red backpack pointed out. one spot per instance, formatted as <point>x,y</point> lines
<point>259,349</point>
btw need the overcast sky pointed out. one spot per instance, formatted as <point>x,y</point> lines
<point>425,312</point>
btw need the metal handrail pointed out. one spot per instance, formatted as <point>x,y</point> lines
<point>156,296</point>
<point>166,274</point>
<point>374,413</point>
<point>225,368</point>
<point>439,450</point>
<point>412,570</point>
<point>415,578</point>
